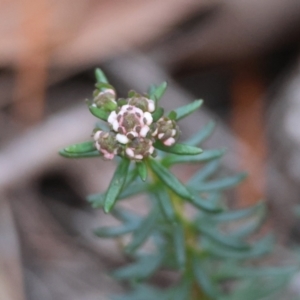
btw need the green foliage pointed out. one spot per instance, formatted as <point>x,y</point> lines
<point>208,250</point>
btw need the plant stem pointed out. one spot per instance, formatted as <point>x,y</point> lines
<point>190,238</point>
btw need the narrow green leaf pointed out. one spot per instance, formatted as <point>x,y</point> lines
<point>97,200</point>
<point>202,157</point>
<point>116,184</point>
<point>250,227</point>
<point>231,271</point>
<point>81,148</point>
<point>142,269</point>
<point>202,135</point>
<point>108,232</point>
<point>205,204</point>
<point>203,279</point>
<point>157,114</point>
<point>104,86</point>
<point>143,232</point>
<point>169,179</point>
<point>156,93</point>
<point>125,215</point>
<point>99,113</point>
<point>239,214</point>
<point>179,149</point>
<point>142,170</point>
<point>165,203</point>
<point>179,245</point>
<point>182,290</point>
<point>260,248</point>
<point>172,115</point>
<point>205,172</point>
<point>220,184</point>
<point>184,111</point>
<point>66,154</point>
<point>222,239</point>
<point>100,76</point>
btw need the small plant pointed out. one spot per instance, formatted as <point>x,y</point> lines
<point>211,258</point>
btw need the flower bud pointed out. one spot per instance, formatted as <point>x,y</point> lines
<point>105,99</point>
<point>106,143</point>
<point>130,122</point>
<point>139,148</point>
<point>142,103</point>
<point>166,130</point>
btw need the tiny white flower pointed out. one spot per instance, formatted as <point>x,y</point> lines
<point>148,118</point>
<point>112,117</point>
<point>144,131</point>
<point>129,152</point>
<point>169,142</point>
<point>151,105</point>
<point>121,138</point>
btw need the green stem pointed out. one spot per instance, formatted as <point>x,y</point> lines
<point>190,238</point>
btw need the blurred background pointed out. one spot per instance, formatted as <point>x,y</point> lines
<point>242,57</point>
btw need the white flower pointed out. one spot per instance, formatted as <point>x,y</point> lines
<point>130,122</point>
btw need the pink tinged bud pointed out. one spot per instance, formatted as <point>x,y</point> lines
<point>144,131</point>
<point>151,149</point>
<point>108,155</point>
<point>160,135</point>
<point>121,138</point>
<point>151,106</point>
<point>169,142</point>
<point>173,132</point>
<point>148,118</point>
<point>138,156</point>
<point>97,135</point>
<point>112,117</point>
<point>115,125</point>
<point>130,152</point>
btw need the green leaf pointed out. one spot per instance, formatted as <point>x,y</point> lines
<point>239,214</point>
<point>231,271</point>
<point>156,93</point>
<point>260,248</point>
<point>125,215</point>
<point>66,154</point>
<point>184,111</point>
<point>205,204</point>
<point>97,200</point>
<point>182,290</point>
<point>165,203</point>
<point>104,86</point>
<point>202,157</point>
<point>141,234</point>
<point>205,172</point>
<point>100,76</point>
<point>157,114</point>
<point>180,149</point>
<point>203,279</point>
<point>108,232</point>
<point>99,113</point>
<point>202,135</point>
<point>172,115</point>
<point>116,184</point>
<point>260,289</point>
<point>81,148</point>
<point>169,179</point>
<point>222,239</point>
<point>142,269</point>
<point>179,245</point>
<point>220,184</point>
<point>142,170</point>
<point>244,230</point>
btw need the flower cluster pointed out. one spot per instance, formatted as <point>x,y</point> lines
<point>132,129</point>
